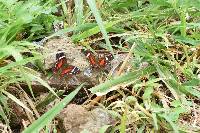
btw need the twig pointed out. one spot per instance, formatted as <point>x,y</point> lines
<point>95,100</point>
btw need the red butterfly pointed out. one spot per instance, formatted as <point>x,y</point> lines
<point>61,64</point>
<point>100,62</point>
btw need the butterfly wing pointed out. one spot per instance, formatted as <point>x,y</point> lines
<point>103,61</point>
<point>70,70</point>
<point>109,57</point>
<point>58,65</point>
<point>60,55</point>
<point>91,58</point>
<point>61,60</point>
<point>75,70</point>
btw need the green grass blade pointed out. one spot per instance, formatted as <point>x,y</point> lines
<point>60,32</point>
<point>172,124</point>
<point>3,115</point>
<point>11,50</point>
<point>45,119</point>
<point>122,126</point>
<point>183,23</point>
<point>79,11</point>
<point>155,121</point>
<point>97,16</point>
<point>41,81</point>
<point>19,63</point>
<point>48,99</point>
<point>168,79</point>
<point>92,31</point>
<point>188,40</point>
<point>192,91</point>
<point>132,76</point>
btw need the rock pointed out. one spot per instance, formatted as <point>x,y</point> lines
<point>72,117</point>
<point>75,119</point>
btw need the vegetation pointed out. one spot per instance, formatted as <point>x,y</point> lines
<point>162,39</point>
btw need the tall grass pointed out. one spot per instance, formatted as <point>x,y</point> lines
<point>16,17</point>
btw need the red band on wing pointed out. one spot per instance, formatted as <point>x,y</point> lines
<point>70,70</point>
<point>102,62</point>
<point>58,64</point>
<point>91,58</point>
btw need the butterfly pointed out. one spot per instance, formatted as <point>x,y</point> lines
<point>98,62</point>
<point>62,66</point>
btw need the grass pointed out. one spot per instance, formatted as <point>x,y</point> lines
<point>152,98</point>
<point>13,71</point>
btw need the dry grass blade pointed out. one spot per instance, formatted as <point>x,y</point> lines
<point>29,101</point>
<point>126,60</point>
<point>17,101</point>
